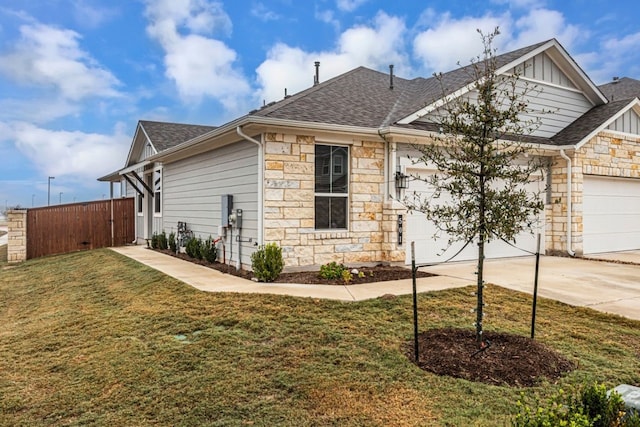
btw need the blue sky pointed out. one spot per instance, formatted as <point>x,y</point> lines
<point>77,75</point>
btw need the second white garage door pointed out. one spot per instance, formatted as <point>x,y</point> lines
<point>430,249</point>
<point>611,214</point>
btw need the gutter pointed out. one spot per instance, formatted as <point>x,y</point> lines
<point>569,204</point>
<point>260,182</point>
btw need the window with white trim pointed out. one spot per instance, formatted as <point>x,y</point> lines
<point>157,192</point>
<point>331,187</point>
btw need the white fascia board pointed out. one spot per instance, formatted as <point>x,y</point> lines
<point>635,103</point>
<point>230,128</point>
<point>435,105</point>
<point>133,142</point>
<point>155,151</point>
<point>134,167</point>
<point>395,132</point>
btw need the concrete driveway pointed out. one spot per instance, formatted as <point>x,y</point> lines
<point>601,285</point>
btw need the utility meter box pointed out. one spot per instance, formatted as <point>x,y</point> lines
<point>227,208</point>
<point>238,218</point>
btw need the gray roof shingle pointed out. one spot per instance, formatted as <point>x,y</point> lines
<point>624,88</point>
<point>362,97</point>
<point>166,135</point>
<point>587,123</point>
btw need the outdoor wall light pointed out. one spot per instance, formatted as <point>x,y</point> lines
<point>401,180</point>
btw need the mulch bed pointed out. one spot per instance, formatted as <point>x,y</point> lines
<point>378,273</point>
<point>512,360</point>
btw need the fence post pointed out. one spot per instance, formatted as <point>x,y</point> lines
<point>17,238</point>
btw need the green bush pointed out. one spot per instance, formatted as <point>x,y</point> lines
<point>194,248</point>
<point>154,241</point>
<point>590,407</point>
<point>267,262</point>
<point>173,245</point>
<point>332,271</point>
<point>209,250</point>
<point>162,241</point>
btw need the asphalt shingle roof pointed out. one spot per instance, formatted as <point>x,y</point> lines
<point>362,97</point>
<point>624,88</point>
<point>166,135</point>
<point>587,123</point>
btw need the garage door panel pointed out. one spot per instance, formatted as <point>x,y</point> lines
<point>611,214</point>
<point>435,250</point>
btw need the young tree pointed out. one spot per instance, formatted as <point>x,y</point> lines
<point>481,163</point>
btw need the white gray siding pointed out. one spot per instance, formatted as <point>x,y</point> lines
<point>192,190</point>
<point>629,122</point>
<point>556,107</point>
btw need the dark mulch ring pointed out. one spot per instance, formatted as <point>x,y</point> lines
<point>378,273</point>
<point>512,360</point>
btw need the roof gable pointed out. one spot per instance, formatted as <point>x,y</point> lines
<point>159,136</point>
<point>594,121</point>
<point>459,82</point>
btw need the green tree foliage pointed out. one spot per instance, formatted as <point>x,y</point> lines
<point>480,161</point>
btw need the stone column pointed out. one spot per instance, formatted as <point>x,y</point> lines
<point>17,239</point>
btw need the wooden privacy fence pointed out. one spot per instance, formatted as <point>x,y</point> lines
<point>79,226</point>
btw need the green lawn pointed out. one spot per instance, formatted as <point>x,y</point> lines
<point>95,338</point>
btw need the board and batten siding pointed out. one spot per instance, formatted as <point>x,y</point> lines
<point>193,188</point>
<point>629,122</point>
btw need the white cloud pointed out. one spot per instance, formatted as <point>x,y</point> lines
<point>63,153</point>
<point>349,5</point>
<point>90,15</point>
<point>374,46</point>
<point>450,41</point>
<point>199,65</point>
<point>614,55</point>
<point>543,24</point>
<point>262,12</point>
<point>453,41</point>
<point>51,57</point>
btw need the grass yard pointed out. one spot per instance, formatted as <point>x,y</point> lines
<point>95,338</point>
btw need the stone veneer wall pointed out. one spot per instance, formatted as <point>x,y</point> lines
<point>607,154</point>
<point>17,238</point>
<point>289,205</point>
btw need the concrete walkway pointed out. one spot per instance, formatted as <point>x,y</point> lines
<point>210,280</point>
<point>601,285</point>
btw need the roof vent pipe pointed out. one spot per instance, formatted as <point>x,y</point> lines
<point>316,79</point>
<point>391,76</point>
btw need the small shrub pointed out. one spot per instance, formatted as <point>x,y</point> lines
<point>267,262</point>
<point>162,241</point>
<point>332,271</point>
<point>605,410</point>
<point>154,241</point>
<point>209,250</point>
<point>194,248</point>
<point>347,277</point>
<point>173,245</point>
<point>592,406</point>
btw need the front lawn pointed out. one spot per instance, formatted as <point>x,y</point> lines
<point>95,338</point>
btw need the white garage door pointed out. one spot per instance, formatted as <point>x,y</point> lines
<point>431,247</point>
<point>611,214</point>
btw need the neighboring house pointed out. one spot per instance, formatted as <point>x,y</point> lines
<point>319,173</point>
